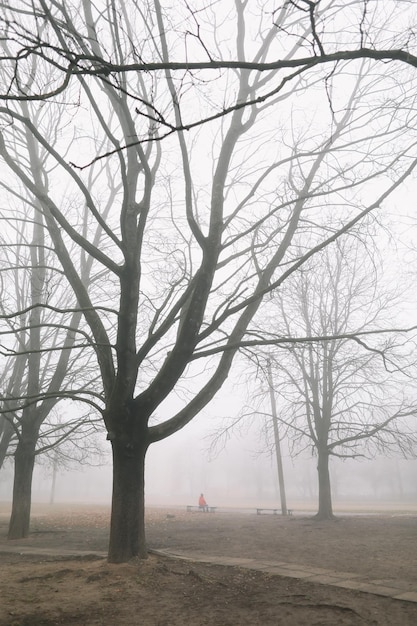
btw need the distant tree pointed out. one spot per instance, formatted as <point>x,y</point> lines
<point>340,397</point>
<point>222,171</point>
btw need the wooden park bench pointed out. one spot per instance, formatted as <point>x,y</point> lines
<point>191,508</point>
<point>273,511</point>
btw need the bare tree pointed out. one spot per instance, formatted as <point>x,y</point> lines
<point>340,397</point>
<point>209,212</point>
<point>48,355</point>
<point>41,368</point>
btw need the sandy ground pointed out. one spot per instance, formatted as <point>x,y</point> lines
<point>50,589</point>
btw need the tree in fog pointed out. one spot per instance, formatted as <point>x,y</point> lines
<point>223,172</point>
<point>39,330</point>
<point>339,397</point>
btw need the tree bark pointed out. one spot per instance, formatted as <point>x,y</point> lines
<point>5,439</point>
<point>127,528</point>
<point>22,489</point>
<point>278,454</point>
<point>325,510</point>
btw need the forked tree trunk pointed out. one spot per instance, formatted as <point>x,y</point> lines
<point>24,462</point>
<point>127,527</point>
<point>325,510</point>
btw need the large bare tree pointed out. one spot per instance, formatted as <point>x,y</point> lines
<point>221,174</point>
<point>348,394</point>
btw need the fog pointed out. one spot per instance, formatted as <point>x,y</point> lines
<point>238,475</point>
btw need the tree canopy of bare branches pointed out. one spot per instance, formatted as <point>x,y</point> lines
<point>336,396</point>
<point>206,147</point>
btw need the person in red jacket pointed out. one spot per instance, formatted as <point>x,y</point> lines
<point>202,503</point>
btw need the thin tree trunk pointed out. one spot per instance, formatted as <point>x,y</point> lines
<point>127,527</point>
<point>325,510</point>
<point>22,489</point>
<point>5,438</point>
<point>278,454</point>
<point>53,482</point>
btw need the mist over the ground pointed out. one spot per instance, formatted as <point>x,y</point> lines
<point>180,468</point>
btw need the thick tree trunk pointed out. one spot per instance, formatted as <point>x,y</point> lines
<point>325,510</point>
<point>24,462</point>
<point>127,527</point>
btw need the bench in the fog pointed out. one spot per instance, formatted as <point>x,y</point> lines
<point>272,511</point>
<point>210,509</point>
